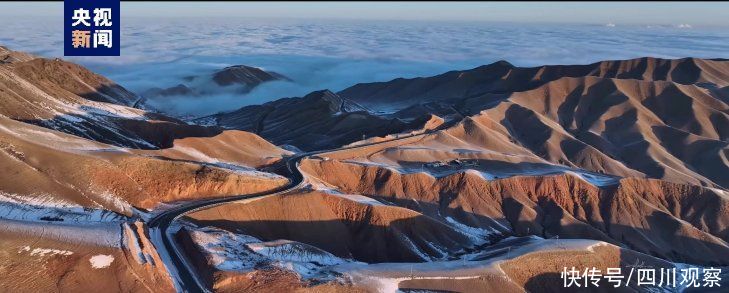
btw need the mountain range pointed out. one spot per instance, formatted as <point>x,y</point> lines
<point>488,179</point>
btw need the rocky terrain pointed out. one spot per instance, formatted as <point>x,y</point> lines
<point>489,179</point>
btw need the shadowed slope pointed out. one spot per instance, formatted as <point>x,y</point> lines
<point>628,128</point>
<point>318,120</point>
<point>645,215</point>
<point>655,128</point>
<point>366,231</point>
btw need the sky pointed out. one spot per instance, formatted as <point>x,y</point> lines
<point>660,13</point>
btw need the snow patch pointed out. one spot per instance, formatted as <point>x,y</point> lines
<point>109,110</point>
<point>61,140</point>
<point>205,121</point>
<point>195,154</point>
<point>304,259</point>
<point>237,252</point>
<point>91,233</point>
<point>291,251</point>
<point>595,179</point>
<point>101,261</point>
<point>359,199</point>
<point>234,167</point>
<point>485,175</point>
<point>42,252</point>
<point>591,248</point>
<point>414,248</point>
<point>477,235</point>
<point>291,148</point>
<point>227,251</point>
<point>45,207</point>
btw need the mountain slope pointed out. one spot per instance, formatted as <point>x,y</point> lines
<point>67,97</point>
<point>47,166</point>
<point>106,257</point>
<point>622,127</point>
<point>318,120</point>
<point>68,135</point>
<point>678,222</point>
<point>516,174</point>
<point>501,77</point>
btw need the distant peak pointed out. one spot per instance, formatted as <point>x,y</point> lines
<point>233,67</point>
<point>501,63</point>
<point>320,94</point>
<point>498,66</point>
<point>245,75</point>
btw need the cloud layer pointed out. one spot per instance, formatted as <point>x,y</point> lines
<point>337,54</point>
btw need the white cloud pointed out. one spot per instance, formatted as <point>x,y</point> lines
<point>335,54</point>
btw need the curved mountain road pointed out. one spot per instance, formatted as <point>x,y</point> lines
<point>182,271</point>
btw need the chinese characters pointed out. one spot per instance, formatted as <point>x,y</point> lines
<point>83,36</point>
<point>690,277</point>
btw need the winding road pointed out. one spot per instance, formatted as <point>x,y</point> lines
<point>177,263</point>
<point>164,242</point>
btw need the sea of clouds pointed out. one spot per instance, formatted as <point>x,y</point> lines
<point>335,54</point>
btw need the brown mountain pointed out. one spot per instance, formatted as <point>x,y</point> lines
<point>69,98</point>
<point>502,78</point>
<point>82,170</point>
<point>67,134</point>
<point>623,127</point>
<point>318,120</point>
<point>678,222</point>
<point>45,165</point>
<point>630,154</point>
